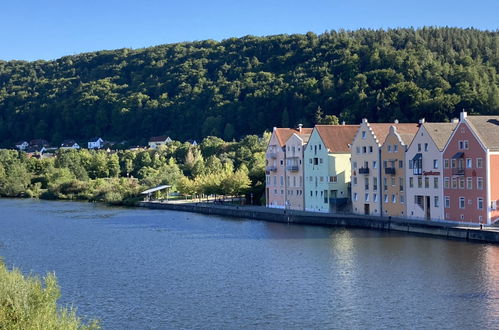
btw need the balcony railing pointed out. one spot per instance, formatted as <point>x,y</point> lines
<point>458,171</point>
<point>271,168</point>
<point>364,170</point>
<point>390,170</point>
<point>292,168</point>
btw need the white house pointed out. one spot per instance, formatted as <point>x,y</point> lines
<point>157,141</point>
<point>95,143</point>
<point>22,145</point>
<point>69,144</point>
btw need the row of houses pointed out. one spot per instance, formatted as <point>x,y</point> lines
<point>427,171</point>
<point>41,145</point>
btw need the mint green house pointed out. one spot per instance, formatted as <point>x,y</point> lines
<point>328,168</point>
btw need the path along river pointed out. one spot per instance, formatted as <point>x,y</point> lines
<point>141,269</point>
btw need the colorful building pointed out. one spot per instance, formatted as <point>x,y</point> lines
<point>366,169</point>
<point>327,168</point>
<point>294,194</point>
<point>471,170</point>
<point>275,171</point>
<point>393,171</point>
<point>424,171</point>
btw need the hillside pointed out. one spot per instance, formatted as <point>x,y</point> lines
<point>247,85</point>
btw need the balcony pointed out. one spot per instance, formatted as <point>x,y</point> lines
<point>458,171</point>
<point>390,170</point>
<point>364,170</point>
<point>271,168</point>
<point>292,168</point>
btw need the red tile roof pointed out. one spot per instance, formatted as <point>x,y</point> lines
<point>381,130</point>
<point>283,134</point>
<point>336,138</point>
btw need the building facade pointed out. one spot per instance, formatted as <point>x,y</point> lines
<point>328,169</point>
<point>275,170</point>
<point>471,170</point>
<point>294,194</point>
<point>366,168</point>
<point>424,171</point>
<point>393,172</point>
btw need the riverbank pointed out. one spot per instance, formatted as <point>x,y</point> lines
<point>431,228</point>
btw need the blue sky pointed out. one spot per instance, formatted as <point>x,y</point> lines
<point>53,28</point>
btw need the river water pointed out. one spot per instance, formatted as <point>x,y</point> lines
<point>145,269</point>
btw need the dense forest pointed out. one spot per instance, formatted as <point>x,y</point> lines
<point>247,85</point>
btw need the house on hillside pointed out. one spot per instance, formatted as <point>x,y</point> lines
<point>192,142</point>
<point>157,141</point>
<point>22,145</point>
<point>96,143</point>
<point>69,144</point>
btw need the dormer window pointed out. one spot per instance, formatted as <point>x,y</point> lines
<point>363,134</point>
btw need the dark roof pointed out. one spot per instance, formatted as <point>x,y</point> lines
<point>94,139</point>
<point>336,138</point>
<point>158,138</point>
<point>440,132</point>
<point>487,129</point>
<point>68,143</point>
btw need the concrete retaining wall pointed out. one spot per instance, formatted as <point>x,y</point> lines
<point>447,230</point>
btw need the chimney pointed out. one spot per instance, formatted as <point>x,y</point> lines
<point>396,121</point>
<point>463,115</point>
<point>343,123</point>
<point>421,121</point>
<point>300,127</point>
<point>454,120</point>
<point>364,120</point>
<point>275,128</point>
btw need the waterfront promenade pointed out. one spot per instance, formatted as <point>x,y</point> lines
<point>432,228</point>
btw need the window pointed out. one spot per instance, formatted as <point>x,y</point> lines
<point>435,183</point>
<point>282,162</point>
<point>479,203</point>
<point>468,163</point>
<point>401,164</point>
<point>310,160</point>
<point>461,202</point>
<point>410,164</point>
<point>367,197</point>
<point>375,198</point>
<point>447,202</point>
<point>461,183</point>
<point>453,163</point>
<point>385,185</point>
<point>355,197</point>
<point>419,147</point>
<point>375,183</point>
<point>395,148</point>
<point>370,149</point>
<point>420,182</point>
<point>446,183</point>
<point>435,201</point>
<point>427,182</point>
<point>469,183</point>
<point>389,148</point>
<point>460,145</point>
<point>402,199</point>
<point>454,183</point>
<point>366,183</point>
<point>386,198</point>
<point>364,150</point>
<point>333,179</point>
<point>357,150</point>
<point>363,134</point>
<point>394,199</point>
<point>426,147</point>
<point>466,145</point>
<point>282,181</point>
<point>320,146</point>
<point>479,163</point>
<point>321,179</point>
<point>435,163</point>
<point>411,182</point>
<point>479,183</point>
<point>316,161</point>
<point>446,163</point>
<point>355,180</point>
<point>392,181</point>
<point>320,160</point>
<point>401,184</point>
<point>385,164</point>
<point>354,165</point>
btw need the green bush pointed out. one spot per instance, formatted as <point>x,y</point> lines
<point>28,302</point>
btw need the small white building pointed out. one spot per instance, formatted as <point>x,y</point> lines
<point>22,145</point>
<point>69,144</point>
<point>95,143</point>
<point>157,141</point>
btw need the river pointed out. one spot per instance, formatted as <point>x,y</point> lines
<point>147,269</point>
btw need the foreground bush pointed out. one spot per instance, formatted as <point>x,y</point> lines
<point>28,302</point>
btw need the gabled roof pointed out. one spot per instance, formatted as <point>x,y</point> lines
<point>95,139</point>
<point>162,138</point>
<point>68,143</point>
<point>440,132</point>
<point>381,130</point>
<point>336,138</point>
<point>487,129</point>
<point>283,134</point>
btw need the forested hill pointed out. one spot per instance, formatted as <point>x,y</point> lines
<point>250,84</point>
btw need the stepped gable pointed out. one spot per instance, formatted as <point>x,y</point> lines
<point>487,129</point>
<point>381,130</point>
<point>440,132</point>
<point>337,138</point>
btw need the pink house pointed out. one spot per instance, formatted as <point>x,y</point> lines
<point>471,171</point>
<point>278,168</point>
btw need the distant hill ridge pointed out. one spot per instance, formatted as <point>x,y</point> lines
<point>247,85</point>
